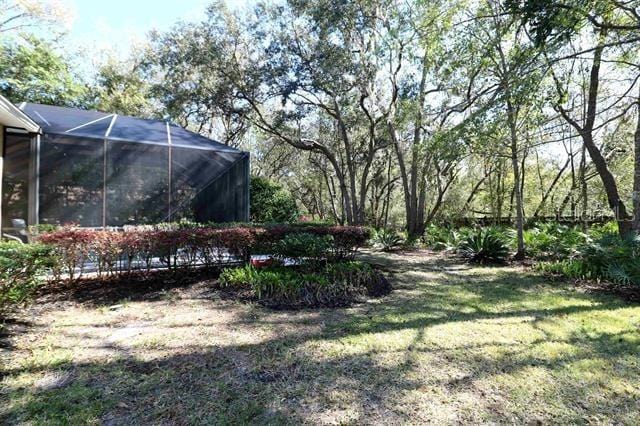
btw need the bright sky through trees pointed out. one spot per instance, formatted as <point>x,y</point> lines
<point>115,26</point>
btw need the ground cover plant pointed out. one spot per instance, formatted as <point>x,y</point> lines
<point>485,246</point>
<point>306,271</point>
<point>598,256</point>
<point>333,284</point>
<point>386,239</point>
<point>610,257</point>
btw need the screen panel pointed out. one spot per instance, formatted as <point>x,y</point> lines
<point>15,179</point>
<point>56,119</point>
<point>226,199</point>
<point>204,185</point>
<point>187,138</point>
<point>71,181</point>
<point>135,129</point>
<point>137,183</point>
<point>192,170</point>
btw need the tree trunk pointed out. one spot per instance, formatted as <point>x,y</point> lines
<point>636,176</point>
<point>549,190</point>
<point>412,178</point>
<point>517,189</point>
<point>586,133</point>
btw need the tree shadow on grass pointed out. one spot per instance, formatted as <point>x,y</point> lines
<point>277,383</point>
<point>389,361</point>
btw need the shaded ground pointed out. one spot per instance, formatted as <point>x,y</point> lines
<point>451,344</point>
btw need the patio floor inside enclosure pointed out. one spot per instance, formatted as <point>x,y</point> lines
<point>97,169</point>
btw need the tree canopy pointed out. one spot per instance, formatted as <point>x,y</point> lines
<point>390,114</point>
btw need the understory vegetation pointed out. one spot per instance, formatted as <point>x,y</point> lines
<point>485,153</point>
<point>315,276</point>
<point>334,284</point>
<point>599,254</point>
<point>68,253</point>
<point>610,258</point>
<point>22,269</point>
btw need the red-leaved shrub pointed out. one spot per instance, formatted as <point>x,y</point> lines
<point>146,247</point>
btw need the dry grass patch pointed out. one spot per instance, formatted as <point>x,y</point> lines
<point>451,344</point>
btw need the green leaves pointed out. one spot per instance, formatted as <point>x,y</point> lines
<point>34,72</point>
<point>271,203</point>
<point>21,270</point>
<point>553,21</point>
<point>336,284</point>
<point>485,245</point>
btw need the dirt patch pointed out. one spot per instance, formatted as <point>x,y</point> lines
<point>98,291</point>
<point>628,293</point>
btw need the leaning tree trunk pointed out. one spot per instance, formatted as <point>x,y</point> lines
<point>586,133</point>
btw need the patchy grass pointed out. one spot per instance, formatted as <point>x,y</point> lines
<point>451,344</point>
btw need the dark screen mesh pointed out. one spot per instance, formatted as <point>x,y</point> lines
<point>137,183</point>
<point>204,181</point>
<point>55,119</point>
<point>136,129</point>
<point>191,171</point>
<point>194,176</point>
<point>184,137</point>
<point>225,199</point>
<point>71,180</point>
<point>15,180</point>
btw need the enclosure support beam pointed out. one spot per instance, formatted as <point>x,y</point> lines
<point>104,184</point>
<point>104,171</point>
<point>248,186</point>
<point>33,202</point>
<point>169,192</point>
<point>1,172</point>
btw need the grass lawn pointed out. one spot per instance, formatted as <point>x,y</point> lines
<point>452,343</point>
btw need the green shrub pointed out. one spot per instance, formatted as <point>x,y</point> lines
<point>570,268</point>
<point>335,284</point>
<point>609,258</point>
<point>553,241</point>
<point>598,231</point>
<point>271,203</point>
<point>42,228</point>
<point>386,240</point>
<point>441,238</point>
<point>304,247</point>
<point>614,258</point>
<point>22,267</point>
<point>485,246</point>
<point>437,237</point>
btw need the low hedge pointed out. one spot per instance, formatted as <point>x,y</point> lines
<point>177,246</point>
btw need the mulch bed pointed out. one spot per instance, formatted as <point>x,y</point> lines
<point>136,286</point>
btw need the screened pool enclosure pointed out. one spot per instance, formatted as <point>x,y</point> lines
<point>96,169</point>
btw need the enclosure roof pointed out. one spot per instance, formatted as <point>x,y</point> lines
<point>101,125</point>
<point>11,116</point>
